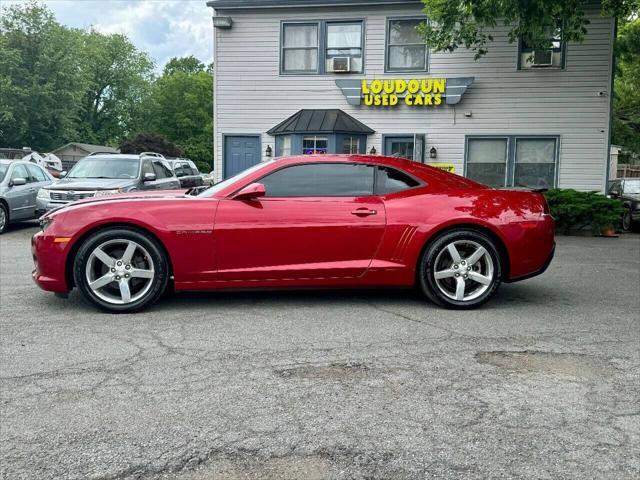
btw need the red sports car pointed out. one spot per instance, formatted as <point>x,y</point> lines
<point>304,221</point>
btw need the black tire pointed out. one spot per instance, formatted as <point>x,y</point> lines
<point>435,251</point>
<point>156,286</point>
<point>627,221</point>
<point>4,213</point>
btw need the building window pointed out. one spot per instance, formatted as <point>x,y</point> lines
<point>344,41</point>
<point>532,163</point>
<point>300,48</point>
<point>487,160</point>
<point>535,162</point>
<point>406,48</point>
<point>351,145</point>
<point>315,145</point>
<point>286,145</point>
<point>550,57</point>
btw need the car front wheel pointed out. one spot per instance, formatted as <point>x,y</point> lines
<point>4,218</point>
<point>460,269</point>
<point>121,270</point>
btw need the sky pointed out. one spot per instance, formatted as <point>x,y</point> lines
<point>163,28</point>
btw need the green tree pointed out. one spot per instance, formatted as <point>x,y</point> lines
<point>181,108</point>
<point>467,23</point>
<point>186,65</point>
<point>626,100</point>
<point>118,77</point>
<point>40,83</point>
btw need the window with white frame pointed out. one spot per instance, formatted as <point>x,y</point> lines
<point>313,145</point>
<point>406,49</point>
<point>286,145</point>
<point>300,48</point>
<point>344,40</point>
<point>351,145</point>
<point>513,161</point>
<point>551,56</point>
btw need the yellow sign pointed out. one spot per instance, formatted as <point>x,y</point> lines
<point>413,92</point>
<point>447,167</point>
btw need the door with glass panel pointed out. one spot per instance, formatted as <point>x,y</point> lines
<point>401,147</point>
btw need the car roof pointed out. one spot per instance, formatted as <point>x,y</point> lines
<point>6,161</point>
<point>420,170</point>
<point>115,156</point>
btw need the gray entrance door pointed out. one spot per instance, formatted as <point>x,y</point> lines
<point>240,153</point>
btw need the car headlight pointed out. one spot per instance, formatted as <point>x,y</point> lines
<point>104,193</point>
<point>43,194</point>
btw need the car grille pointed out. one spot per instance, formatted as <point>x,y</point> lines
<point>64,196</point>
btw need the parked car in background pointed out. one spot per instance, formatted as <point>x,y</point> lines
<point>19,185</point>
<point>187,172</point>
<point>628,191</point>
<point>304,221</point>
<point>103,174</point>
<point>208,178</point>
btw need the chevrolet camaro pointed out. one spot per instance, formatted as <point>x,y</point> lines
<point>329,221</point>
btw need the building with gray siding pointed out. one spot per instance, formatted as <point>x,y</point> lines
<point>316,76</point>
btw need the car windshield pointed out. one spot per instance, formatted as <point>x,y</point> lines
<point>105,168</point>
<point>3,170</point>
<point>225,183</point>
<point>632,186</point>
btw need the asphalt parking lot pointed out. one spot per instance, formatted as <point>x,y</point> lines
<point>543,382</point>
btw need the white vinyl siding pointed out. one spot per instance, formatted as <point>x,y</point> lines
<point>252,95</point>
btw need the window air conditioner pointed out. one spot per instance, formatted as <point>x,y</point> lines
<point>542,58</point>
<point>340,65</point>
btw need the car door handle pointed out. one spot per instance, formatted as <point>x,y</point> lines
<point>363,212</point>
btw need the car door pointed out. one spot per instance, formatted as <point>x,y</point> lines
<point>316,221</point>
<point>21,198</point>
<point>165,178</point>
<point>147,167</point>
<point>37,179</point>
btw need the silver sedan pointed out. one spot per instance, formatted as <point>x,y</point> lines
<point>19,185</point>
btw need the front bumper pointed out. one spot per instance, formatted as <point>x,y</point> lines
<point>49,257</point>
<point>45,205</point>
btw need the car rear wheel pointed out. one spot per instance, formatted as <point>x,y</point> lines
<point>121,270</point>
<point>4,218</point>
<point>460,269</point>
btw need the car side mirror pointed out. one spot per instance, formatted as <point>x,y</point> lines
<point>63,174</point>
<point>251,192</point>
<point>17,182</point>
<point>149,177</point>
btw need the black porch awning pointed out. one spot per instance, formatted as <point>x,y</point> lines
<point>320,121</point>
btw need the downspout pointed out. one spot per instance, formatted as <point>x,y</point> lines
<point>611,88</point>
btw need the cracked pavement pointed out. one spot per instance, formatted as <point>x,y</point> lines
<point>543,382</point>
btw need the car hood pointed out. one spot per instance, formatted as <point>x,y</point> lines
<point>154,195</point>
<point>92,183</point>
<point>631,196</point>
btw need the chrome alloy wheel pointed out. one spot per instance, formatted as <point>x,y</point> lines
<point>120,271</point>
<point>463,270</point>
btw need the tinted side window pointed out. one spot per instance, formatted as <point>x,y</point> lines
<point>147,168</point>
<point>36,173</point>
<point>161,170</point>
<point>19,172</point>
<point>321,180</point>
<point>390,180</point>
